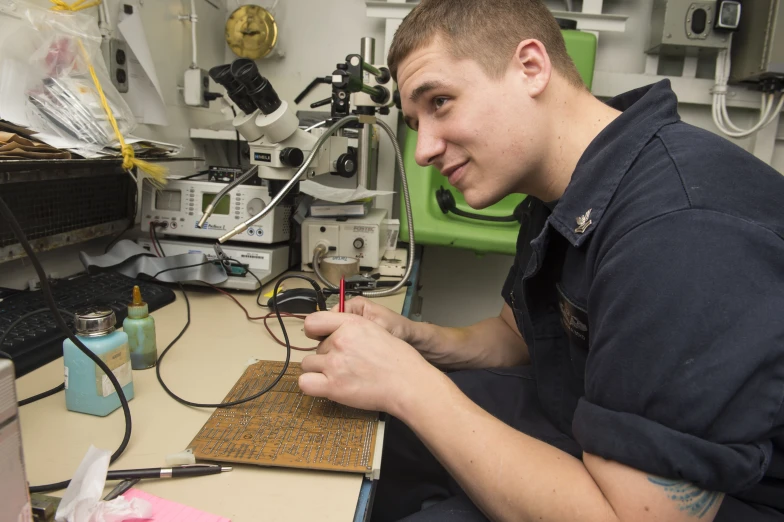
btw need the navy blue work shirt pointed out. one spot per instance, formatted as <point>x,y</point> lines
<point>652,303</point>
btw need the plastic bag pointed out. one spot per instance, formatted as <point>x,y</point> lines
<point>61,93</point>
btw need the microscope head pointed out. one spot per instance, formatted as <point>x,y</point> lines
<point>221,74</point>
<point>256,86</point>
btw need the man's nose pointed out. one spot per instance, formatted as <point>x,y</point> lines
<point>429,147</point>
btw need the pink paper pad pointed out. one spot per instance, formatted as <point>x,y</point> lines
<point>167,511</point>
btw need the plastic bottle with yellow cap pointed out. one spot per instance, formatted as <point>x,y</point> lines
<point>140,327</point>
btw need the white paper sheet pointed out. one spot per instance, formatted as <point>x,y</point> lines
<point>144,91</point>
<point>82,148</point>
<point>339,195</point>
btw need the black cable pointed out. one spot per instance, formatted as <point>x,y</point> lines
<point>261,286</point>
<point>48,393</point>
<point>153,226</point>
<point>46,291</point>
<point>187,324</point>
<point>191,176</point>
<point>132,221</point>
<point>181,267</point>
<point>446,202</point>
<point>60,387</point>
<point>495,219</point>
<point>255,395</point>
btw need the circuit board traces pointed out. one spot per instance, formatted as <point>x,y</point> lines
<point>286,428</point>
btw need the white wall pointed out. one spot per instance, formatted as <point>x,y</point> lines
<point>314,35</point>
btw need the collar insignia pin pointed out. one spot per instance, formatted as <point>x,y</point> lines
<point>583,222</point>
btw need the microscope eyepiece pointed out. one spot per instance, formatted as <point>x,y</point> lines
<point>256,86</point>
<point>221,74</point>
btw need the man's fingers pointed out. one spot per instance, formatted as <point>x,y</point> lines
<point>355,305</point>
<point>314,384</point>
<point>321,324</point>
<point>313,363</point>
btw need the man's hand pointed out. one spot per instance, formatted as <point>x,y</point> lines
<point>490,343</point>
<point>360,364</point>
<point>394,323</point>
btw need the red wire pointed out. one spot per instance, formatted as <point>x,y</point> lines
<point>286,314</point>
<point>342,302</point>
<point>264,318</point>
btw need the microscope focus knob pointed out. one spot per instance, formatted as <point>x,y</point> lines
<point>359,243</point>
<point>347,164</point>
<point>292,157</point>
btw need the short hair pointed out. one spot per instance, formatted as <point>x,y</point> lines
<point>487,31</point>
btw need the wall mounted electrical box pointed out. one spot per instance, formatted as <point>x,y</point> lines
<point>683,27</point>
<point>758,45</point>
<point>116,56</point>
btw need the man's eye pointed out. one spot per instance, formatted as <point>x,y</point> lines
<point>439,101</point>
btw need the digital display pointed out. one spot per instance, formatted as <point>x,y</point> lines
<point>168,200</point>
<point>223,207</point>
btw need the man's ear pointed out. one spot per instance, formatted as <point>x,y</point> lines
<point>533,65</point>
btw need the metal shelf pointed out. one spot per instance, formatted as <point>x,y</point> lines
<point>210,134</point>
<point>17,171</point>
<point>585,21</point>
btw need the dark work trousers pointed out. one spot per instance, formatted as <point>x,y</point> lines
<point>415,487</point>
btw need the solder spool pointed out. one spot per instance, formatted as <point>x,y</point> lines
<point>334,268</point>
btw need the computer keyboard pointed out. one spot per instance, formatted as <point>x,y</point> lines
<point>37,340</point>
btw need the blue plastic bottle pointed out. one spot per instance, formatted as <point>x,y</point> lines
<point>87,388</point>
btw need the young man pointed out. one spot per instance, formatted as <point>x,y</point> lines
<point>636,371</point>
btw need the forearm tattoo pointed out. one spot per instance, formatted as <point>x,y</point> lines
<point>693,500</point>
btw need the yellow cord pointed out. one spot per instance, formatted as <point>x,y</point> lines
<point>60,5</point>
<point>157,172</point>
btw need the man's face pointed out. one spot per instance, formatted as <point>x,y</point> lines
<point>477,130</point>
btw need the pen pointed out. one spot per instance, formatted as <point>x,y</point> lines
<point>342,302</point>
<point>191,470</point>
<point>121,488</point>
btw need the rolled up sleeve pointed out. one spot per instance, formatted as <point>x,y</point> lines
<point>685,375</point>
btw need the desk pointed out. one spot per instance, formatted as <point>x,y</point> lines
<point>202,366</point>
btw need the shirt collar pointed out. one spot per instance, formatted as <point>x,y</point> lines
<point>609,156</point>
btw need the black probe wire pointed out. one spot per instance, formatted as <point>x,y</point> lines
<point>188,322</point>
<point>179,268</point>
<point>49,299</point>
<point>261,286</point>
<point>255,395</point>
<point>60,387</point>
